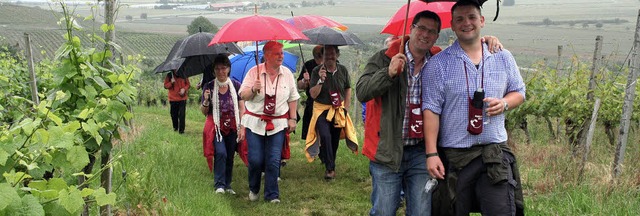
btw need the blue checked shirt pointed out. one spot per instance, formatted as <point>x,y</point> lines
<point>445,93</point>
<point>413,89</point>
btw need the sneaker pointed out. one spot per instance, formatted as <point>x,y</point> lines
<point>252,196</point>
<point>279,179</point>
<point>275,201</point>
<point>220,191</point>
<point>230,191</point>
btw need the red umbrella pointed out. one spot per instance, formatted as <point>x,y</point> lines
<point>395,24</point>
<point>257,28</point>
<point>306,22</point>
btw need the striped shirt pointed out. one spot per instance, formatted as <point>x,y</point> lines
<point>447,93</point>
<point>413,94</point>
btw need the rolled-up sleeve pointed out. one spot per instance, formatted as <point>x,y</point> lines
<point>432,87</point>
<point>515,82</point>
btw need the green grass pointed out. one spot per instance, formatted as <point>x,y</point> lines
<point>172,166</point>
<point>163,165</point>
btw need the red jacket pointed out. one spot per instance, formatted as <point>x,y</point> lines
<point>174,88</point>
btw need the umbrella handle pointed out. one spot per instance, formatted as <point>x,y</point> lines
<point>404,29</point>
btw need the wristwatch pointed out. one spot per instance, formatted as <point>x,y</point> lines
<point>320,81</point>
<point>506,105</point>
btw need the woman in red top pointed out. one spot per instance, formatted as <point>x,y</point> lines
<point>178,88</point>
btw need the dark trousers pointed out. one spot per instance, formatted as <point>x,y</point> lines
<point>474,190</point>
<point>329,140</point>
<point>223,165</point>
<point>177,111</point>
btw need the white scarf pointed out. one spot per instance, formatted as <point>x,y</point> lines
<point>215,105</point>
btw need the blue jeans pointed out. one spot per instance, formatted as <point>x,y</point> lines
<point>265,153</point>
<point>223,163</point>
<point>411,178</point>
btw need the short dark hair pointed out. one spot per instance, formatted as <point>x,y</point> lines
<point>221,59</point>
<point>334,46</point>
<point>427,14</point>
<point>473,3</point>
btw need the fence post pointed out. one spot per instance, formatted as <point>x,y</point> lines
<point>110,36</point>
<point>32,71</point>
<point>590,92</point>
<point>587,145</point>
<point>627,106</point>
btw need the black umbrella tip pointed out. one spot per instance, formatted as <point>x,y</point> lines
<point>200,29</point>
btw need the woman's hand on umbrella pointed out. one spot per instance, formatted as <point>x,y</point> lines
<point>206,93</point>
<point>257,85</point>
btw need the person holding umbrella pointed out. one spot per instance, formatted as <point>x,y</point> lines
<point>270,95</point>
<point>394,143</point>
<point>178,88</point>
<point>331,92</point>
<point>222,131</point>
<point>304,83</point>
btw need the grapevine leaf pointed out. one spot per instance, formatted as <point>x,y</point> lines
<point>71,200</point>
<point>8,195</point>
<point>104,27</point>
<point>3,157</point>
<point>87,191</point>
<point>85,113</point>
<point>100,82</point>
<point>102,198</point>
<point>78,157</point>
<point>28,206</point>
<point>92,128</point>
<point>59,138</point>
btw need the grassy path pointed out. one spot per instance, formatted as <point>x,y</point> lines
<point>164,164</point>
<point>167,175</point>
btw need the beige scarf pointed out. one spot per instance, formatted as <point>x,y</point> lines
<point>215,103</point>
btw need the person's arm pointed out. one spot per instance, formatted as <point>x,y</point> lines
<point>206,102</point>
<point>168,82</point>
<point>431,128</point>
<point>303,79</point>
<point>375,79</point>
<point>248,88</point>
<point>347,98</point>
<point>316,83</point>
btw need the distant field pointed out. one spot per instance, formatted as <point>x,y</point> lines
<point>366,18</point>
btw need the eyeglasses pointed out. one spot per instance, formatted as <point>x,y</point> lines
<point>425,29</point>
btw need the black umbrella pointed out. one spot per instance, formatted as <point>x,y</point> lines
<point>330,36</point>
<point>192,55</point>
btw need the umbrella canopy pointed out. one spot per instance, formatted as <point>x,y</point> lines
<point>330,36</point>
<point>395,24</point>
<point>480,2</point>
<point>306,22</point>
<point>240,64</point>
<point>191,55</point>
<point>197,44</point>
<point>256,28</point>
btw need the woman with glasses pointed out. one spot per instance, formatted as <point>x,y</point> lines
<point>222,131</point>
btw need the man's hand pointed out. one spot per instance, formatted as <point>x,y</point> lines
<point>435,167</point>
<point>494,107</point>
<point>323,73</point>
<point>493,43</point>
<point>173,79</point>
<point>182,91</point>
<point>397,64</point>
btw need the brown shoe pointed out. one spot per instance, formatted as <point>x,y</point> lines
<point>330,175</point>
